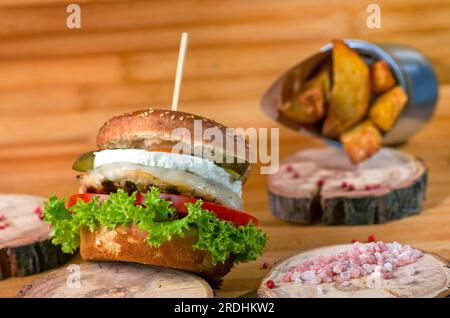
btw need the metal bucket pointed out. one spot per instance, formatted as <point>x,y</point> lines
<point>411,69</point>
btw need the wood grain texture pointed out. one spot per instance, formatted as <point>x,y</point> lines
<point>115,280</point>
<point>59,85</point>
<point>25,244</point>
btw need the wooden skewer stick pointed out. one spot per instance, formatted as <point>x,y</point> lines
<point>179,74</point>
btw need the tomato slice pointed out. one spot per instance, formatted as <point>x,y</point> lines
<point>178,201</point>
<point>86,197</point>
<point>222,212</point>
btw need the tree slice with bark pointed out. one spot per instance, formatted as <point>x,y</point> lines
<point>25,244</point>
<point>117,280</point>
<point>431,279</point>
<point>321,185</point>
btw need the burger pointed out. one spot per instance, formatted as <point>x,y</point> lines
<point>141,201</point>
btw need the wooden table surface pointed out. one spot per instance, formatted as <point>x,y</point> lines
<point>57,86</point>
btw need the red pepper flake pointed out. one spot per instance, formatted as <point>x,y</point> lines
<point>2,216</point>
<point>344,185</point>
<point>372,187</point>
<point>265,265</point>
<point>371,238</point>
<point>296,175</point>
<point>354,241</point>
<point>38,211</point>
<point>289,168</point>
<point>321,182</point>
<point>3,226</point>
<point>350,187</point>
<point>270,284</point>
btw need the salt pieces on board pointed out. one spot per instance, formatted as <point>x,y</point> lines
<point>376,260</point>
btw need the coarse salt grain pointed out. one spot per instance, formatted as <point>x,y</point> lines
<point>319,289</point>
<point>388,267</point>
<point>377,260</point>
<point>406,279</point>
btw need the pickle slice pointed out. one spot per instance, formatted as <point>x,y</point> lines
<point>85,162</point>
<point>235,169</point>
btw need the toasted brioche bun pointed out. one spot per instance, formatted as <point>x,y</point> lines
<point>128,244</point>
<point>153,129</point>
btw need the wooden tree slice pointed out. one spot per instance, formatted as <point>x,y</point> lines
<point>25,245</point>
<point>432,279</point>
<point>322,185</point>
<point>117,280</point>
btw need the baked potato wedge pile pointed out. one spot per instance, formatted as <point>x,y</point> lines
<point>348,100</point>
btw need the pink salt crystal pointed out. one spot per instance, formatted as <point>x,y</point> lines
<point>387,275</point>
<point>301,268</point>
<point>376,259</point>
<point>350,187</point>
<point>328,279</point>
<point>296,277</point>
<point>405,279</point>
<point>344,185</point>
<point>364,258</point>
<point>289,168</point>
<point>319,290</point>
<point>388,267</point>
<point>337,279</point>
<point>374,280</point>
<point>308,275</point>
<point>337,268</point>
<point>345,276</point>
<point>355,272</point>
<point>378,268</point>
<point>315,280</point>
<point>368,268</point>
<point>286,278</point>
<point>345,284</point>
<point>411,270</point>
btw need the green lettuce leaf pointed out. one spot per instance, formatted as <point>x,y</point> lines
<point>220,238</point>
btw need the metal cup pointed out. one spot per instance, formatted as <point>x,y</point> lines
<point>411,69</point>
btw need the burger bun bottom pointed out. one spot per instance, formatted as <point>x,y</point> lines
<point>127,244</point>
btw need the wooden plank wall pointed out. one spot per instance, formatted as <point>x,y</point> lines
<point>57,86</point>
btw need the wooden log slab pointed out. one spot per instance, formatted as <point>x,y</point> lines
<point>431,279</point>
<point>117,280</point>
<point>321,185</point>
<point>25,245</point>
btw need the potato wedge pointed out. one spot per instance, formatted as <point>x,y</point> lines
<point>362,141</point>
<point>381,77</point>
<point>350,94</point>
<point>322,79</point>
<point>387,107</point>
<point>308,107</point>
